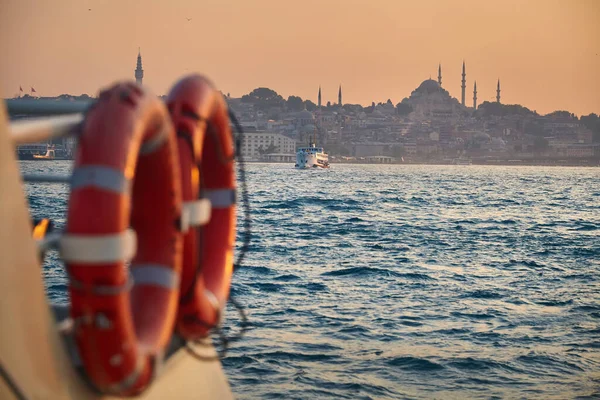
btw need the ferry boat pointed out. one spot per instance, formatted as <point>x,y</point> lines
<point>311,157</point>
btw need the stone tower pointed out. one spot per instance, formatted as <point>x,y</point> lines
<point>475,96</point>
<point>139,72</point>
<point>340,95</point>
<point>440,74</point>
<point>464,84</point>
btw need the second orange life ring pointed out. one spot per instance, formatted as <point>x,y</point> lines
<point>206,153</point>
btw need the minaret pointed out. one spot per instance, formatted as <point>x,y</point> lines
<point>340,96</point>
<point>440,74</point>
<point>319,99</point>
<point>464,84</point>
<point>475,96</point>
<point>320,115</point>
<point>498,92</point>
<point>139,72</point>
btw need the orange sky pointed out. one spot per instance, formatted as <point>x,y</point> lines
<point>546,52</point>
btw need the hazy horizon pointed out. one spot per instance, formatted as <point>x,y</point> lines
<point>546,53</point>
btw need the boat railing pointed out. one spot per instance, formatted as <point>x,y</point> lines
<point>43,129</point>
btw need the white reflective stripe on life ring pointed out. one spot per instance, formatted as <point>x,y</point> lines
<point>195,213</point>
<point>98,249</point>
<point>154,275</point>
<point>219,198</point>
<point>100,177</point>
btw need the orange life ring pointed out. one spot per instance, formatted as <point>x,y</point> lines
<point>206,154</point>
<point>126,174</point>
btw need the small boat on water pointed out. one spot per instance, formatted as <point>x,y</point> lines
<point>311,157</point>
<point>50,154</point>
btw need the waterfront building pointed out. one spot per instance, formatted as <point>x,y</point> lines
<point>255,144</point>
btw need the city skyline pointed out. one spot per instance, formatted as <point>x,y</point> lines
<point>546,70</point>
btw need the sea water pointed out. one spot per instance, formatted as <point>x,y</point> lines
<point>400,281</point>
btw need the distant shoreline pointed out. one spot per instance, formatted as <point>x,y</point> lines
<point>590,164</point>
<point>477,163</point>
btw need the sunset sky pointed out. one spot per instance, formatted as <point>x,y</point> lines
<point>545,52</point>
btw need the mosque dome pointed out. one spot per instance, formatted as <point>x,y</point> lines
<point>305,114</point>
<point>429,86</point>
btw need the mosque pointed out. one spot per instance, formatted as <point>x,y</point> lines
<point>308,127</point>
<point>431,100</point>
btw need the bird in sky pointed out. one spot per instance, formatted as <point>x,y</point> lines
<point>89,9</point>
<point>189,19</point>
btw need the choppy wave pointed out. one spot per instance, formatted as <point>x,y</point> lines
<point>409,282</point>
